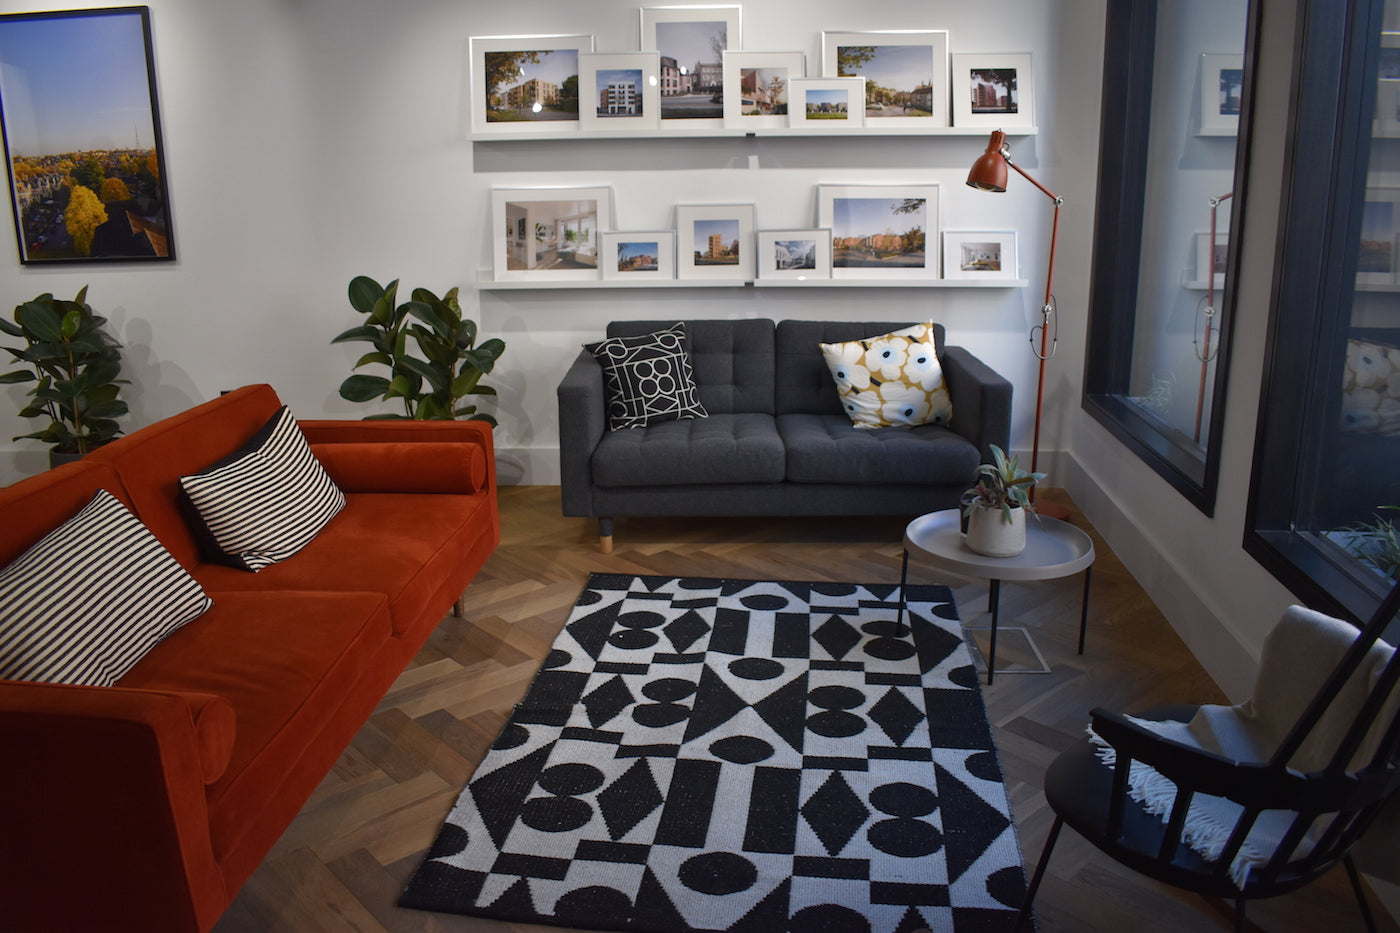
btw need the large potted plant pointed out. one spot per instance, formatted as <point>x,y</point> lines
<point>430,387</point>
<point>996,507</point>
<point>75,366</point>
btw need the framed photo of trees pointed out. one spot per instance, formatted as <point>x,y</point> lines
<point>526,84</point>
<point>881,231</point>
<point>82,137</point>
<point>905,71</point>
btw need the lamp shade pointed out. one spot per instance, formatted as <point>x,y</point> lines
<point>989,171</point>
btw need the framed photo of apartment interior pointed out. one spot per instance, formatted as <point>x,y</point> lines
<point>979,255</point>
<point>638,257</point>
<point>548,234</point>
<point>795,255</point>
<point>994,90</point>
<point>881,231</point>
<point>1222,83</point>
<point>619,91</point>
<point>692,41</point>
<point>905,71</point>
<point>758,87</point>
<point>715,241</point>
<point>827,105</point>
<point>520,84</point>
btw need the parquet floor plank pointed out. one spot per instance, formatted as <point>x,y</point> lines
<point>341,865</point>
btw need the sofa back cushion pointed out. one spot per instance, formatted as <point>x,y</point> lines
<point>33,507</point>
<point>150,462</point>
<point>732,361</point>
<point>803,380</point>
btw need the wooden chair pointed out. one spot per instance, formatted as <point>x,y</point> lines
<point>1310,818</point>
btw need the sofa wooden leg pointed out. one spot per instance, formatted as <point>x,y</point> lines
<point>605,534</point>
<point>459,607</point>
<point>605,543</point>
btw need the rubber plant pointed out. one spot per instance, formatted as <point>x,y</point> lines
<point>75,366</point>
<point>432,385</point>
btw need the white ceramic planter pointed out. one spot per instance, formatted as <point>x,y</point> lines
<point>989,533</point>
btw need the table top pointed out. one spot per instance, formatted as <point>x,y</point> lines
<point>1053,548</point>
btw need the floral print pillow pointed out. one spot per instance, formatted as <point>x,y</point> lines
<point>893,380</point>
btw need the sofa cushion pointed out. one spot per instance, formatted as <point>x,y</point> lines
<point>89,599</point>
<point>740,448</point>
<point>265,502</point>
<point>647,378</point>
<point>732,361</point>
<point>890,380</point>
<point>826,449</point>
<point>803,381</point>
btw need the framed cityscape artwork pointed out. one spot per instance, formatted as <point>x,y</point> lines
<point>82,137</point>
<point>1222,83</point>
<point>619,91</point>
<point>905,71</point>
<point>827,105</point>
<point>797,255</point>
<point>757,87</point>
<point>639,256</point>
<point>880,231</point>
<point>525,84</point>
<point>692,41</point>
<point>715,241</point>
<point>994,90</point>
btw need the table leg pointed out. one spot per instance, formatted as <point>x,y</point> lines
<point>994,604</point>
<point>903,579</point>
<point>1084,609</point>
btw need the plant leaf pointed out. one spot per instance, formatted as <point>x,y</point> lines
<point>363,388</point>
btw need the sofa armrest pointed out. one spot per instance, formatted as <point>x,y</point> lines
<point>407,432</point>
<point>111,779</point>
<point>981,400</point>
<point>582,412</point>
<point>425,467</point>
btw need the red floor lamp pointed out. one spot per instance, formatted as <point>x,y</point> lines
<point>989,174</point>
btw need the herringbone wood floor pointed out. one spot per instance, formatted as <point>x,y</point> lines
<point>341,864</point>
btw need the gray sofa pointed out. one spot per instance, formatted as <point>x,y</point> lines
<point>777,441</point>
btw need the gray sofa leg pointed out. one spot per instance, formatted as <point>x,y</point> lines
<point>605,534</point>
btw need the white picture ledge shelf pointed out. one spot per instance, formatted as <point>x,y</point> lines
<point>485,283</point>
<point>720,132</point>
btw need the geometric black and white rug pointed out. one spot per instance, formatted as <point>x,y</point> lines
<point>737,755</point>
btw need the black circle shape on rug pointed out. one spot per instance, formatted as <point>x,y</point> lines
<point>904,799</point>
<point>905,838</point>
<point>631,632</point>
<point>555,814</point>
<point>557,657</point>
<point>668,689</point>
<point>984,765</point>
<point>570,779</point>
<point>450,841</point>
<point>836,724</point>
<point>835,697</point>
<point>827,918</point>
<point>583,906</point>
<point>718,873</point>
<point>889,649</point>
<point>886,628</point>
<point>764,602</point>
<point>1008,886</point>
<point>756,668</point>
<point>742,749</point>
<point>965,676</point>
<point>659,715</point>
<point>513,735</point>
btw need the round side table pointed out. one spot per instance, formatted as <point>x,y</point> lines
<point>1054,549</point>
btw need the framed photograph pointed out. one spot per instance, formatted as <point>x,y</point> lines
<point>1222,83</point>
<point>521,84</point>
<point>1380,224</point>
<point>1210,260</point>
<point>994,90</point>
<point>980,255</point>
<point>905,71</point>
<point>639,257</point>
<point>1387,122</point>
<point>548,234</point>
<point>619,91</point>
<point>82,137</point>
<point>827,105</point>
<point>794,254</point>
<point>692,41</point>
<point>715,241</point>
<point>880,231</point>
<point>757,87</point>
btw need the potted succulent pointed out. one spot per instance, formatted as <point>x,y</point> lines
<point>75,366</point>
<point>996,507</point>
<point>452,362</point>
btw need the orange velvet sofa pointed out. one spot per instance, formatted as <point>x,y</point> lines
<point>144,806</point>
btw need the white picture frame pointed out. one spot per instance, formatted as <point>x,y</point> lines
<point>794,255</point>
<point>980,255</point>
<point>548,234</point>
<point>910,66</point>
<point>827,105</point>
<point>624,89</point>
<point>995,90</point>
<point>1387,122</point>
<point>694,39</point>
<point>1222,83</point>
<point>1377,259</point>
<point>1210,260</point>
<point>871,227</point>
<point>638,256</point>
<point>521,104</point>
<point>715,241</point>
<point>758,87</point>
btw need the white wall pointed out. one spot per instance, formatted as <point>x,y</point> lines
<point>309,141</point>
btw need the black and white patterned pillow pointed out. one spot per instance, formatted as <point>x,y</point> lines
<point>87,601</point>
<point>267,500</point>
<point>648,378</point>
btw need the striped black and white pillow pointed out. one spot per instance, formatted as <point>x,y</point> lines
<point>268,500</point>
<point>87,602</point>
